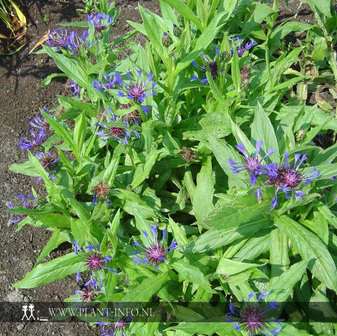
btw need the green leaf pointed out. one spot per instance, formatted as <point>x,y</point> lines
<point>280,290</point>
<point>214,239</point>
<point>202,198</point>
<point>322,5</point>
<point>78,208</point>
<point>231,267</point>
<point>178,233</point>
<point>41,171</point>
<point>51,271</point>
<point>279,259</point>
<point>25,168</point>
<point>223,152</point>
<point>154,29</point>
<point>70,66</point>
<point>191,274</point>
<point>262,129</point>
<point>111,171</point>
<point>310,246</point>
<point>80,131</point>
<point>284,29</point>
<point>239,210</point>
<point>185,11</point>
<point>149,287</point>
<point>88,109</point>
<point>47,80</point>
<point>208,328</point>
<point>63,134</point>
<point>55,240</point>
<point>235,70</point>
<point>202,42</point>
<point>143,170</point>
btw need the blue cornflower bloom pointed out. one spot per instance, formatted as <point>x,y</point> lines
<point>40,121</point>
<point>101,21</point>
<point>136,91</point>
<point>286,178</point>
<point>29,202</point>
<point>75,42</point>
<point>254,317</point>
<point>114,328</point>
<point>108,83</point>
<point>93,259</point>
<point>75,87</point>
<point>35,141</point>
<point>48,162</point>
<point>154,252</point>
<point>241,48</point>
<point>58,38</point>
<point>133,116</point>
<point>252,164</point>
<point>213,65</point>
<point>101,191</point>
<point>117,132</point>
<point>90,290</point>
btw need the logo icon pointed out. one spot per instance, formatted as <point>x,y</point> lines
<point>26,309</point>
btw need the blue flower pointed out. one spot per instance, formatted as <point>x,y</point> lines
<point>154,252</point>
<point>117,132</point>
<point>252,164</point>
<point>58,38</point>
<point>75,87</point>
<point>286,178</point>
<point>93,259</point>
<point>114,328</point>
<point>101,191</point>
<point>213,65</point>
<point>35,141</point>
<point>48,162</point>
<point>29,202</point>
<point>136,90</point>
<point>100,21</point>
<point>240,47</point>
<point>254,317</point>
<point>108,83</point>
<point>90,290</point>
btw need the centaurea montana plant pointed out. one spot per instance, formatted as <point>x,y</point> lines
<point>154,251</point>
<point>48,162</point>
<point>109,82</point>
<point>283,176</point>
<point>240,47</point>
<point>254,318</point>
<point>213,66</point>
<point>114,328</point>
<point>116,128</point>
<point>90,290</point>
<point>36,139</point>
<point>93,259</point>
<point>137,90</point>
<point>59,38</point>
<point>286,178</point>
<point>252,164</point>
<point>101,191</point>
<point>101,21</point>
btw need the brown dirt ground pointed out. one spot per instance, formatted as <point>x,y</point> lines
<point>20,99</point>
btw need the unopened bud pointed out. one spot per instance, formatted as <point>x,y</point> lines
<point>176,31</point>
<point>167,41</point>
<point>300,134</point>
